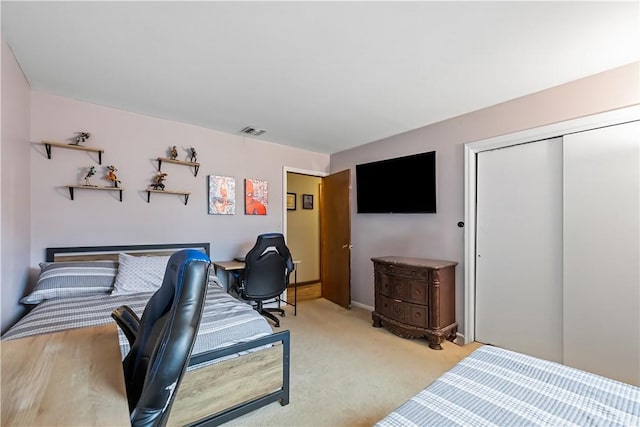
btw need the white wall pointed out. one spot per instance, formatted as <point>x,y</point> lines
<point>437,235</point>
<point>132,142</point>
<point>14,176</point>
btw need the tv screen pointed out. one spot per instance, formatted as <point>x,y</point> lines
<point>401,185</point>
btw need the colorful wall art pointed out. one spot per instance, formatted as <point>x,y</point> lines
<point>256,197</point>
<point>222,195</point>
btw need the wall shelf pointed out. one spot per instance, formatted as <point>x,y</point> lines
<point>194,165</point>
<point>49,144</point>
<point>182,193</point>
<point>91,187</point>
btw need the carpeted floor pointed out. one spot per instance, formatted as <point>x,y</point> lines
<point>344,372</point>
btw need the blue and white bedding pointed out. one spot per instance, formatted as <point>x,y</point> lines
<point>497,387</point>
<point>225,320</point>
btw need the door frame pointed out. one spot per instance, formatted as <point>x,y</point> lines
<point>285,170</point>
<point>471,151</point>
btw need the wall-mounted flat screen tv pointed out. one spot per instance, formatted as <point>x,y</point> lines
<point>401,185</point>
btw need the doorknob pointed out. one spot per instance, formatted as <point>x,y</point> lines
<point>346,245</point>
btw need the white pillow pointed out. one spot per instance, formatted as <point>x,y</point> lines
<point>139,274</point>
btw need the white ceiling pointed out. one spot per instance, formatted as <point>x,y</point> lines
<point>323,76</point>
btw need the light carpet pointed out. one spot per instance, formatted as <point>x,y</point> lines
<point>344,372</point>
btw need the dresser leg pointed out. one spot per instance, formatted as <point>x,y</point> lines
<point>435,344</point>
<point>377,323</point>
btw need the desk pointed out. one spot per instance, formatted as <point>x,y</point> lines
<point>235,267</point>
<point>70,378</point>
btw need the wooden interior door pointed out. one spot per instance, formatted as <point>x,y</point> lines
<point>335,238</point>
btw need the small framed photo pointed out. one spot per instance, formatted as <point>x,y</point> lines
<point>307,201</point>
<point>291,201</point>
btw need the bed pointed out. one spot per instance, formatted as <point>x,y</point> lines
<point>494,386</point>
<point>238,363</point>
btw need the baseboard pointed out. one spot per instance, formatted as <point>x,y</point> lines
<point>459,339</point>
<point>308,282</point>
<point>360,305</point>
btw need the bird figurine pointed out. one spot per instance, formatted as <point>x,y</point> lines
<point>174,152</point>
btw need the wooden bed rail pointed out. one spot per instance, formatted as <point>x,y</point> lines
<point>215,394</point>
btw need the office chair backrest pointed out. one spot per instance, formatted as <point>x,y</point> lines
<point>167,331</point>
<point>267,267</point>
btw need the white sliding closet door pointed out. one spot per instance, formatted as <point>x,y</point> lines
<point>519,248</point>
<point>602,251</point>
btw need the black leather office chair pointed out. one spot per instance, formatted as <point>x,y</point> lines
<point>162,340</point>
<point>266,274</point>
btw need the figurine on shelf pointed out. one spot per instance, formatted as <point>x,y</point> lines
<point>158,181</point>
<point>81,137</point>
<point>111,176</point>
<point>174,153</point>
<point>194,155</point>
<point>91,172</point>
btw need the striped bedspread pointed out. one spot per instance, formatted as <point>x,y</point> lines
<point>496,387</point>
<point>225,320</point>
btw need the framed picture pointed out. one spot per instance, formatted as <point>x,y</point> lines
<point>307,201</point>
<point>291,201</point>
<point>256,196</point>
<point>222,195</point>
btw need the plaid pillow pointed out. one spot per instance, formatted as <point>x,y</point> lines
<point>72,278</point>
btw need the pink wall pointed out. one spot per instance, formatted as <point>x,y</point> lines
<point>15,237</point>
<point>132,142</point>
<point>437,236</point>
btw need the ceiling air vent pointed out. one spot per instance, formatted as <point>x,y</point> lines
<point>249,130</point>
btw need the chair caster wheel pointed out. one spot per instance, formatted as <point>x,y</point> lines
<point>282,315</point>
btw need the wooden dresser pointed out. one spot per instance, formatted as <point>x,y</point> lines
<point>415,298</point>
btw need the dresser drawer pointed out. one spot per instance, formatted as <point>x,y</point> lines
<point>418,292</point>
<point>392,308</point>
<point>384,284</point>
<point>405,272</point>
<point>417,315</point>
<point>410,314</point>
<point>384,305</point>
<point>411,290</point>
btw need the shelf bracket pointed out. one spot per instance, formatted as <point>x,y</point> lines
<point>70,191</point>
<point>48,148</point>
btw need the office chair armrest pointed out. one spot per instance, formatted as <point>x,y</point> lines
<point>128,321</point>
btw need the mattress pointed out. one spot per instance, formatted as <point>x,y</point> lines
<point>225,320</point>
<point>497,387</point>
